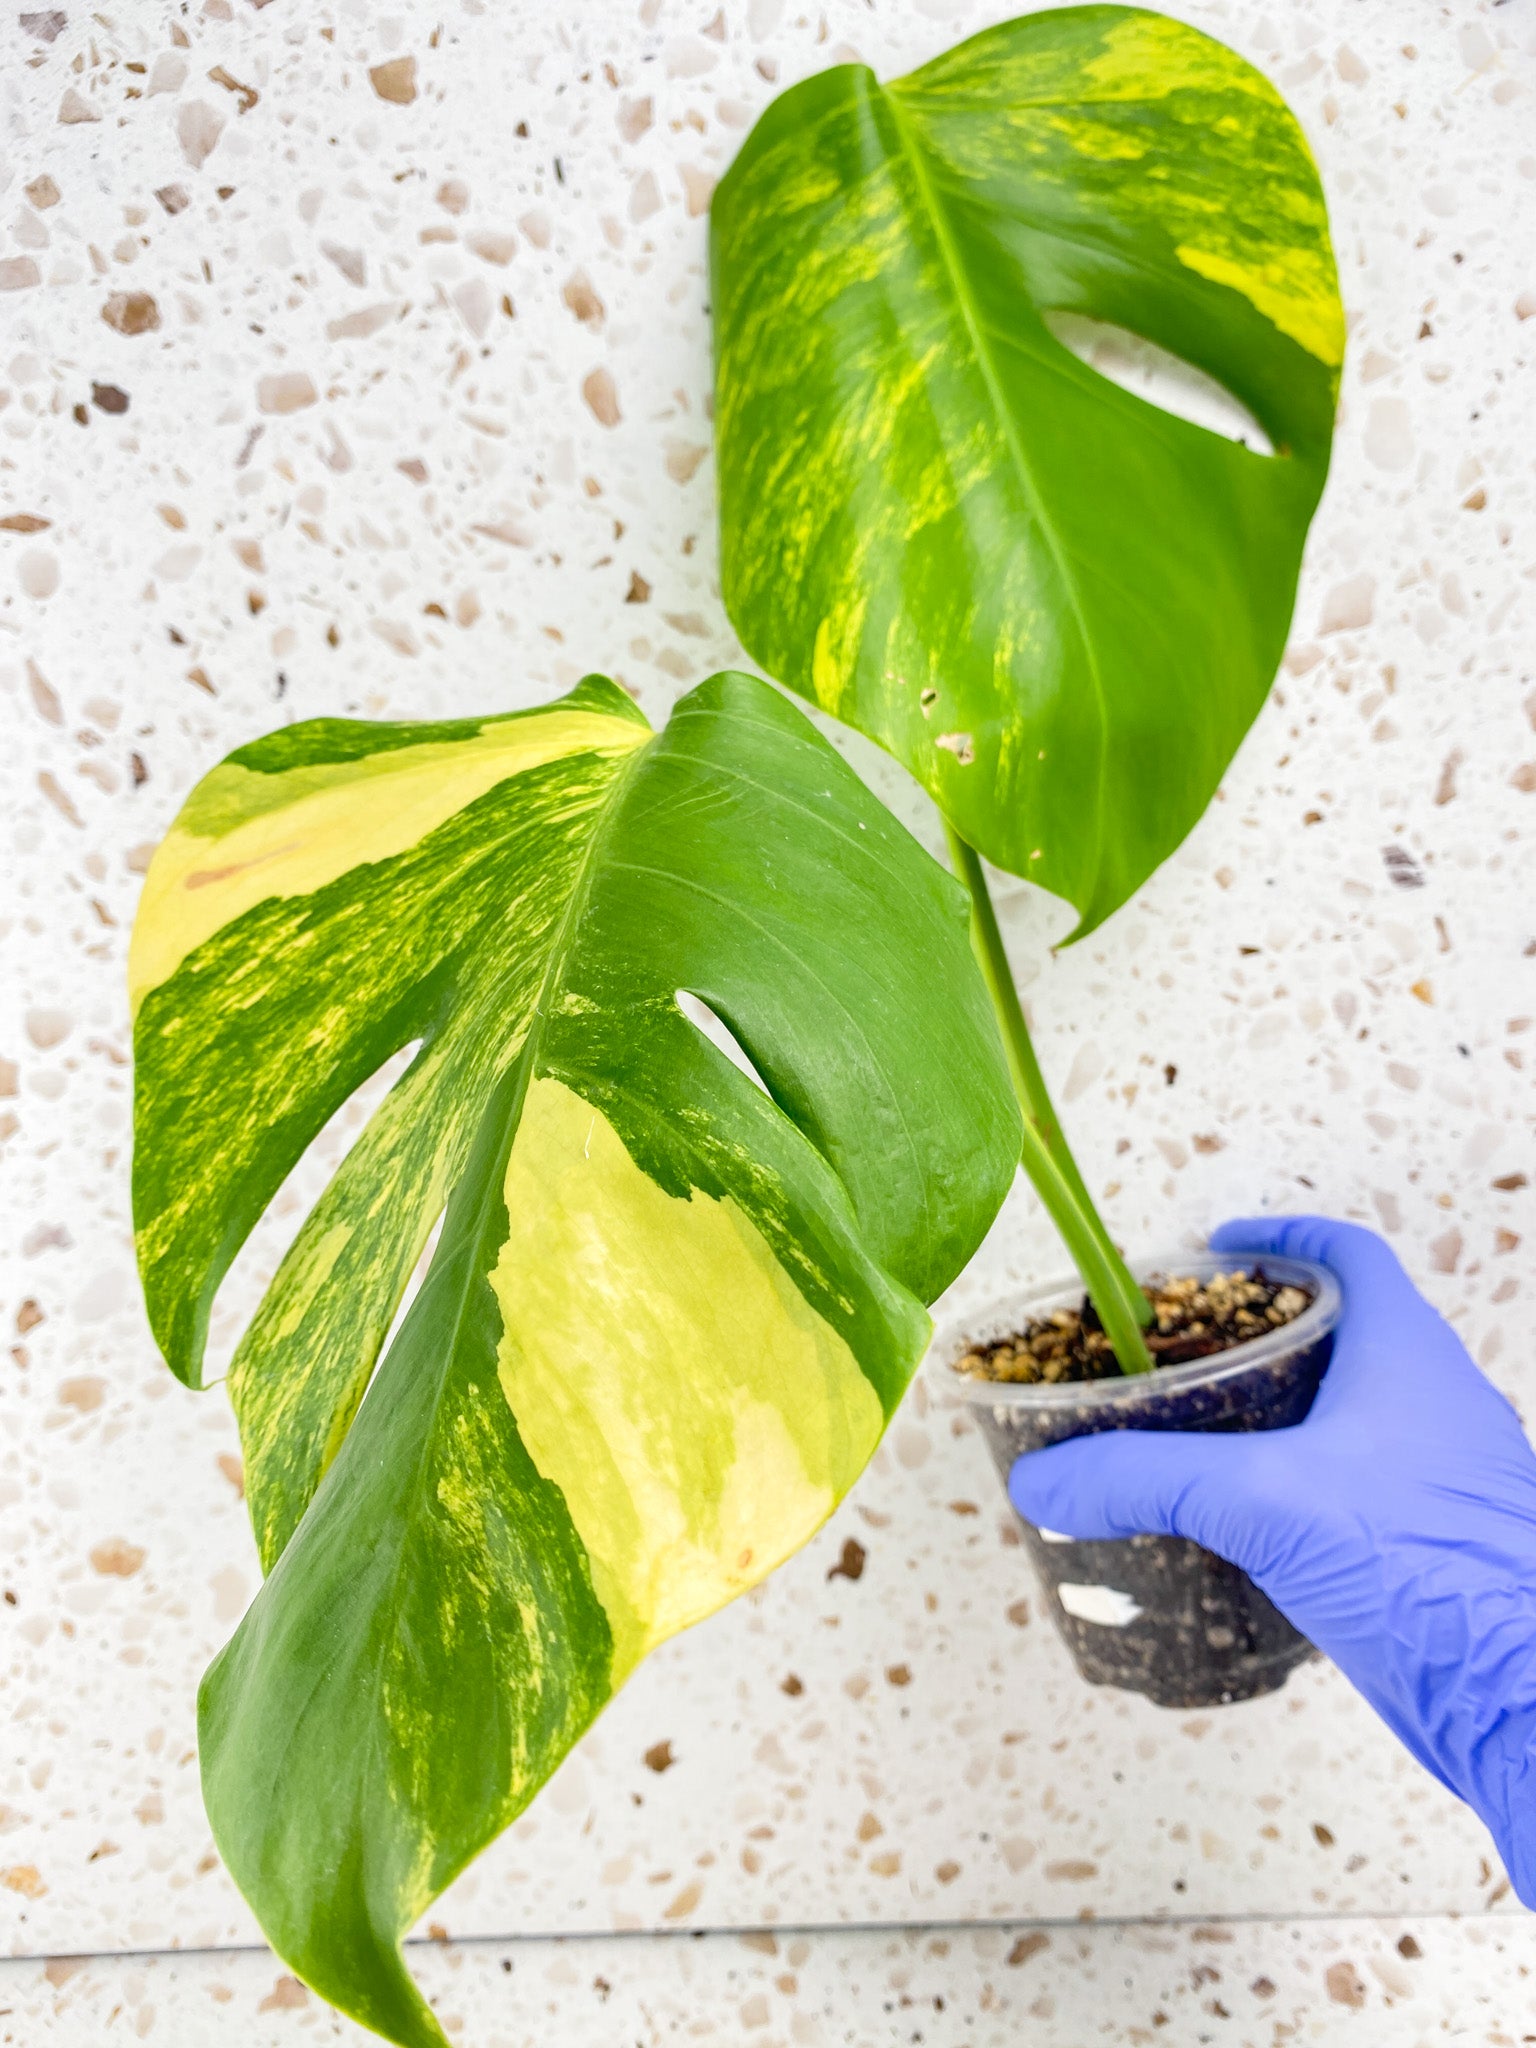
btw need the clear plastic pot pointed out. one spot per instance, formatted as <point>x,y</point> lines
<point>1157,1614</point>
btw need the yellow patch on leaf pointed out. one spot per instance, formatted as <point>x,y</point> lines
<point>348,815</point>
<point>699,1418</point>
<point>1293,290</point>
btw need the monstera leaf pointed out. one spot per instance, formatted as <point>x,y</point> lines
<point>1059,605</point>
<point>670,1311</point>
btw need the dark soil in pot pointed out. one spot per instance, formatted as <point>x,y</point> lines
<point>1237,1348</point>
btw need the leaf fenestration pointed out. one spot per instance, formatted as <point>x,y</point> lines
<point>670,1311</point>
<point>1057,604</point>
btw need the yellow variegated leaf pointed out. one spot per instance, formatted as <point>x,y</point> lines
<point>670,1312</point>
<point>1057,603</point>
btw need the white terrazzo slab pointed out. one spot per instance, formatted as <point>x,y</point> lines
<point>417,422</point>
<point>1256,1984</point>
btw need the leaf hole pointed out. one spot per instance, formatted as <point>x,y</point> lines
<point>256,1262</point>
<point>1161,378</point>
<point>412,1289</point>
<point>719,1034</point>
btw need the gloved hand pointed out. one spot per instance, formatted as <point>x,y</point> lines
<point>1396,1526</point>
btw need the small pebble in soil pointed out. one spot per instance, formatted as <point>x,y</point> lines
<point>1191,1319</point>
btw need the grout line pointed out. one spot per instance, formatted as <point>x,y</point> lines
<point>810,1929</point>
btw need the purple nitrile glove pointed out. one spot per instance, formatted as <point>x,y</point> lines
<point>1396,1526</point>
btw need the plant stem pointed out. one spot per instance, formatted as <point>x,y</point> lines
<point>1123,1308</point>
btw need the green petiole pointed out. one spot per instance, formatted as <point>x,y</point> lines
<point>1123,1308</point>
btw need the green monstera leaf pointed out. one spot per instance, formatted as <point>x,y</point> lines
<point>670,1311</point>
<point>1058,604</point>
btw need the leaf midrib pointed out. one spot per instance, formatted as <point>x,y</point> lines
<point>949,256</point>
<point>495,1185</point>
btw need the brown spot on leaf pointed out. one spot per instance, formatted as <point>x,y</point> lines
<point>395,81</point>
<point>659,1757</point>
<point>851,1564</point>
<point>116,1559</point>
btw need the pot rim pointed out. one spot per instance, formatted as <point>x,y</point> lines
<point>1014,1307</point>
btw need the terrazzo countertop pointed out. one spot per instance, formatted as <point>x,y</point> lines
<point>1256,1984</point>
<point>354,359</point>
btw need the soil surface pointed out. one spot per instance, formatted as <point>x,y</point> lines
<point>1194,1319</point>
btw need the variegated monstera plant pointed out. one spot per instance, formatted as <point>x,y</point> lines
<point>670,1311</point>
<point>1060,605</point>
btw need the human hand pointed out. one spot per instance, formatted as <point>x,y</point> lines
<point>1395,1526</point>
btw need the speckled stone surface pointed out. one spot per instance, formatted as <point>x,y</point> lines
<point>324,387</point>
<point>1368,1983</point>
